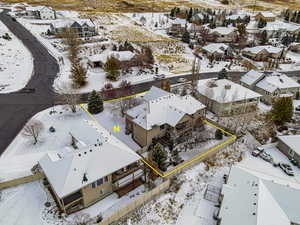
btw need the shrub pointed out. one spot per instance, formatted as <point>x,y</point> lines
<point>218,135</point>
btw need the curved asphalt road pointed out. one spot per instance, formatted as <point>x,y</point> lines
<point>17,108</point>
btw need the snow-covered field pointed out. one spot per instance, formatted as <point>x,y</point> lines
<point>15,63</point>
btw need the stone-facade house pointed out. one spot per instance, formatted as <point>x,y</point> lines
<point>264,53</point>
<point>224,97</point>
<point>290,146</point>
<point>270,86</point>
<point>83,27</point>
<point>164,115</point>
<point>267,16</point>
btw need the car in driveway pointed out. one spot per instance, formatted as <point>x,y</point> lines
<point>257,151</point>
<point>181,80</point>
<point>267,157</point>
<point>286,168</point>
<point>297,108</point>
<point>159,77</point>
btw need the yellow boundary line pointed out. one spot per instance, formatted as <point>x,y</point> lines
<point>195,158</point>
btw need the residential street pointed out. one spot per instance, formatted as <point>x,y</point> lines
<point>18,107</point>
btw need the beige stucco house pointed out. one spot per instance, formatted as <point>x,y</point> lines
<point>264,53</point>
<point>270,86</point>
<point>163,114</point>
<point>224,97</point>
<point>79,178</point>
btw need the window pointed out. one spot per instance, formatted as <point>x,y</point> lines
<point>105,179</point>
<point>291,152</point>
<point>100,181</point>
<point>94,185</point>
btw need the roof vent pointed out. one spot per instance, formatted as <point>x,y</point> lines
<point>79,155</point>
<point>84,179</point>
<point>227,86</point>
<point>280,80</point>
<point>254,214</point>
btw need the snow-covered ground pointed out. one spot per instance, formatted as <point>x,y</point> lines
<point>16,63</point>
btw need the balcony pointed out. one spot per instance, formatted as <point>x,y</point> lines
<point>126,171</point>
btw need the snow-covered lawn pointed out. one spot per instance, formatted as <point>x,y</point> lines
<point>15,63</point>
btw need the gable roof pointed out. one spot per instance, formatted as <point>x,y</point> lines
<point>266,14</point>
<point>70,22</point>
<point>219,94</point>
<point>277,81</point>
<point>258,201</point>
<point>268,48</point>
<point>223,30</point>
<point>155,93</point>
<point>102,57</point>
<point>215,47</point>
<point>251,77</point>
<point>161,108</point>
<point>293,141</point>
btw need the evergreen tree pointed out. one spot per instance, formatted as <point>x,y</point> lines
<point>111,68</point>
<point>218,135</point>
<point>159,155</point>
<point>264,37</point>
<point>222,74</point>
<point>190,15</point>
<point>186,37</point>
<point>95,103</point>
<point>172,14</point>
<point>261,23</point>
<point>282,110</point>
<point>177,11</point>
<point>298,95</point>
<point>286,40</point>
<point>176,157</point>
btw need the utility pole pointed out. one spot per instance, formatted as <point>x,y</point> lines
<point>195,75</point>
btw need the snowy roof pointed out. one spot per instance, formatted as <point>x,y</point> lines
<point>215,47</point>
<point>258,201</point>
<point>293,141</point>
<point>38,8</point>
<point>277,81</point>
<point>235,17</point>
<point>66,170</point>
<point>166,109</point>
<point>219,93</point>
<point>122,56</point>
<point>267,14</point>
<point>69,22</point>
<point>223,30</point>
<point>268,48</point>
<point>281,25</point>
<point>155,93</point>
<point>251,77</point>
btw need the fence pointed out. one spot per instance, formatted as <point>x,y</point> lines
<point>22,180</point>
<point>136,203</point>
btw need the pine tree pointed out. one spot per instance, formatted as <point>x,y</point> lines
<point>176,157</point>
<point>186,37</point>
<point>264,37</point>
<point>95,103</point>
<point>78,74</point>
<point>282,110</point>
<point>261,23</point>
<point>190,15</point>
<point>111,68</point>
<point>159,155</point>
<point>172,14</point>
<point>298,95</point>
<point>218,135</point>
<point>222,74</point>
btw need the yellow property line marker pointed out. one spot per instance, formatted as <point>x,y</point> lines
<point>179,167</point>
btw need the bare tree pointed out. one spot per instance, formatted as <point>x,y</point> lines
<point>33,129</point>
<point>70,97</point>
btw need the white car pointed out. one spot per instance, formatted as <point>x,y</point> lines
<point>181,80</point>
<point>159,77</point>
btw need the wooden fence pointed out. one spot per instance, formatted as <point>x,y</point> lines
<point>22,180</point>
<point>137,203</point>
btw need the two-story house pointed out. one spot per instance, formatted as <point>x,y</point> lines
<point>270,86</point>
<point>41,12</point>
<point>163,114</point>
<point>224,97</point>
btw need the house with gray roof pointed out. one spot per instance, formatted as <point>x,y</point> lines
<point>290,146</point>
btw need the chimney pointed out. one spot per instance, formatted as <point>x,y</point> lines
<point>227,86</point>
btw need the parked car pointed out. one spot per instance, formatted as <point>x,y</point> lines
<point>298,108</point>
<point>159,77</point>
<point>287,169</point>
<point>257,151</point>
<point>182,80</point>
<point>267,157</point>
<point>294,162</point>
<point>14,19</point>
